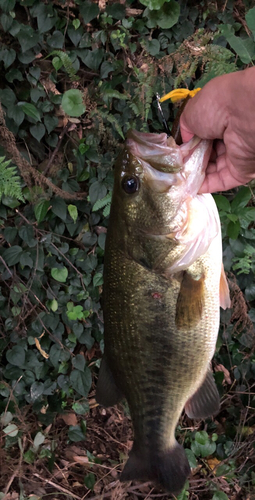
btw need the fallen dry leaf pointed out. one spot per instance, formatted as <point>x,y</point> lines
<point>213,463</point>
<point>69,418</point>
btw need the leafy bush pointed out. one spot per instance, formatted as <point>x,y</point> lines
<point>74,79</point>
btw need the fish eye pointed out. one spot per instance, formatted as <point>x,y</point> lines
<point>130,184</point>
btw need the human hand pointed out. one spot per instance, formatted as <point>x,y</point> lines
<point>224,110</point>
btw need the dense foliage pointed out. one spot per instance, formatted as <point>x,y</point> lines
<point>75,76</point>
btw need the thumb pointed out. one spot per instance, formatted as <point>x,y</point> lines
<point>186,133</point>
<point>188,120</point>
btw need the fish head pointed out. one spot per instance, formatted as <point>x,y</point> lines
<point>153,178</point>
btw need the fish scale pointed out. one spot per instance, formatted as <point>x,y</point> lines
<point>161,301</point>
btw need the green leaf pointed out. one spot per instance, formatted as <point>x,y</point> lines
<point>90,480</point>
<point>38,440</point>
<point>106,68</point>
<point>16,311</point>
<point>30,110</point>
<point>7,5</point>
<point>57,63</point>
<point>89,11</point>
<point>16,356</point>
<point>46,16</point>
<point>12,255</point>
<point>81,381</point>
<point>73,212</point>
<point>59,274</point>
<point>98,279</point>
<point>191,458</point>
<point>10,234</point>
<point>233,230</point>
<point>97,191</point>
<point>220,495</point>
<point>79,362</point>
<point>72,102</point>
<point>81,408</point>
<point>7,97</point>
<point>6,418</point>
<point>92,58</point>
<point>36,391</point>
<point>75,433</point>
<point>58,207</point>
<point>165,18</point>
<point>241,199</point>
<point>6,21</point>
<point>16,114</point>
<point>11,430</point>
<point>153,4</point>
<point>56,40</point>
<point>76,312</point>
<point>25,260</point>
<point>41,210</point>
<point>54,305</point>
<point>76,23</point>
<point>170,15</point>
<point>27,37</point>
<point>152,46</point>
<point>202,446</point>
<point>89,239</point>
<point>222,202</point>
<point>250,19</point>
<point>37,131</point>
<point>50,122</point>
<point>36,94</point>
<point>232,217</point>
<point>244,48</point>
<point>29,456</point>
<point>14,74</point>
<point>116,10</point>
<point>26,233</point>
<point>8,56</point>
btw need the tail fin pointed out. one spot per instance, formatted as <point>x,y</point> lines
<point>168,469</point>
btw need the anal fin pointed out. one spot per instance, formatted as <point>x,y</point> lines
<point>206,401</point>
<point>190,301</point>
<point>107,392</point>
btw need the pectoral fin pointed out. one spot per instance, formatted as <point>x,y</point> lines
<point>107,392</point>
<point>225,301</point>
<point>206,401</point>
<point>190,302</point>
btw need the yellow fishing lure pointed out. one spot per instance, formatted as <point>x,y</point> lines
<point>179,94</point>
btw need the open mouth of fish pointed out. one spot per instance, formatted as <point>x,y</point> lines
<point>163,154</point>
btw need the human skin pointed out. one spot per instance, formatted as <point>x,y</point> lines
<point>224,110</point>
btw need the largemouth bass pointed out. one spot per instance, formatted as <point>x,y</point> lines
<point>163,286</point>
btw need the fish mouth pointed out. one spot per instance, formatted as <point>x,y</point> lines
<point>160,151</point>
<point>165,163</point>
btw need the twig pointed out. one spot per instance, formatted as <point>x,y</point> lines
<point>8,141</point>
<point>14,475</point>
<point>5,265</point>
<point>57,486</point>
<point>61,137</point>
